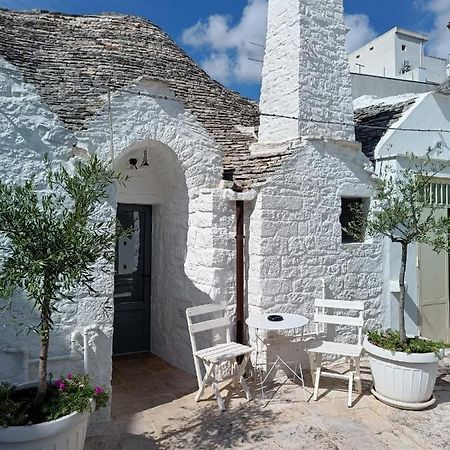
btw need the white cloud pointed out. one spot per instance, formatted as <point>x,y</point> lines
<point>360,31</point>
<point>218,66</point>
<point>439,44</point>
<point>231,50</point>
<point>232,47</point>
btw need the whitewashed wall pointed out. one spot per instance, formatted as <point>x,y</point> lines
<point>305,72</point>
<point>296,235</point>
<point>295,230</point>
<point>193,241</point>
<point>28,130</point>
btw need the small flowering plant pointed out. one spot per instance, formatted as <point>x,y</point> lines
<point>64,396</point>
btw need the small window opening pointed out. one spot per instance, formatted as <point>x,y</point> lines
<point>370,48</point>
<point>358,56</point>
<point>353,214</point>
<point>403,47</point>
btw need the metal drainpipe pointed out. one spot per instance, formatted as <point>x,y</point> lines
<point>240,271</point>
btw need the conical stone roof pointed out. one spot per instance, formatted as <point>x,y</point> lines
<point>74,60</point>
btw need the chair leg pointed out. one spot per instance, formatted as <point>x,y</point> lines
<point>240,375</point>
<point>316,383</point>
<point>209,370</point>
<point>218,396</point>
<point>358,375</point>
<point>312,365</point>
<point>198,372</point>
<point>350,389</point>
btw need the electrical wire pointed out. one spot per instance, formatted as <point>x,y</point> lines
<point>299,119</point>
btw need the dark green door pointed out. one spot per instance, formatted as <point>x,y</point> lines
<point>132,281</point>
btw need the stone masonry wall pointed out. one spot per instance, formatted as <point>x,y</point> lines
<point>306,72</point>
<point>190,223</point>
<point>191,241</point>
<point>28,130</point>
<point>296,235</point>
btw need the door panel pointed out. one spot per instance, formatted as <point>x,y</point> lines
<point>433,279</point>
<point>132,281</point>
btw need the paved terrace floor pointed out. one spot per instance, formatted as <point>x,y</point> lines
<point>154,408</point>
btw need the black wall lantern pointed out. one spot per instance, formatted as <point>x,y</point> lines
<point>134,162</point>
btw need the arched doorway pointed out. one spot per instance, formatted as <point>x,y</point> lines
<point>149,269</point>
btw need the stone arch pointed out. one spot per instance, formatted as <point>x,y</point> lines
<point>162,184</point>
<point>181,181</point>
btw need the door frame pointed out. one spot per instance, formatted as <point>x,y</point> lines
<point>147,283</point>
<point>421,303</point>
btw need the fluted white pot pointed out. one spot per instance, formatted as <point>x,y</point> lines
<point>68,433</point>
<point>404,380</point>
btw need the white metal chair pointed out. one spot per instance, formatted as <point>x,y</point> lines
<point>352,352</point>
<point>212,357</point>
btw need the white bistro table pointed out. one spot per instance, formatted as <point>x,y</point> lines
<point>282,322</point>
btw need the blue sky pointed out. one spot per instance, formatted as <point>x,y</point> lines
<point>218,33</point>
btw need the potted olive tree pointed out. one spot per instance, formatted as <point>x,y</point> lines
<point>53,238</point>
<point>403,367</point>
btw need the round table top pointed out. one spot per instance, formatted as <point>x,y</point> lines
<point>289,321</point>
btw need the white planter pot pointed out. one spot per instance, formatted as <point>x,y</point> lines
<point>68,433</point>
<point>404,380</point>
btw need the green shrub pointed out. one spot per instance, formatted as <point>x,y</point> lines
<point>64,396</point>
<point>390,340</point>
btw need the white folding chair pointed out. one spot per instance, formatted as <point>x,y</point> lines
<point>353,352</point>
<point>212,357</point>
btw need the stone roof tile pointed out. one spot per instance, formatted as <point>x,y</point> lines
<point>74,60</point>
<point>380,117</point>
<point>444,88</point>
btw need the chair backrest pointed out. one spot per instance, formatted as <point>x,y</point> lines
<point>200,326</point>
<point>323,316</point>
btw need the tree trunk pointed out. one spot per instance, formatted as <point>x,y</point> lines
<point>401,279</point>
<point>43,353</point>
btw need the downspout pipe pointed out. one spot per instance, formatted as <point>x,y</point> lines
<point>240,337</point>
<point>236,194</point>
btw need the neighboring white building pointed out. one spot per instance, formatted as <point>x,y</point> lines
<point>399,53</point>
<point>386,144</point>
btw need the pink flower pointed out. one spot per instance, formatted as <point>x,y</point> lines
<point>99,390</point>
<point>57,383</point>
<point>62,386</point>
<point>69,376</point>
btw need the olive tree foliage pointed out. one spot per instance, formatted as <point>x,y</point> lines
<point>403,211</point>
<point>53,240</point>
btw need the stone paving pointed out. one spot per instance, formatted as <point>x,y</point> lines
<point>154,408</point>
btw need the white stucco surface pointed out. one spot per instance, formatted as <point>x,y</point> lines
<point>431,111</point>
<point>363,84</point>
<point>388,55</point>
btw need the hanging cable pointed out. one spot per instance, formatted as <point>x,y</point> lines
<point>299,119</point>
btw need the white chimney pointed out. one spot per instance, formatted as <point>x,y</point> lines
<point>306,74</point>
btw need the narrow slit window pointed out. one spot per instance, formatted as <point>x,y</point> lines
<point>353,214</point>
